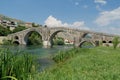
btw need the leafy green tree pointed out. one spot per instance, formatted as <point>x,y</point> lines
<point>58,41</point>
<point>19,28</point>
<point>35,25</point>
<point>4,31</point>
<point>115,42</point>
<point>34,39</point>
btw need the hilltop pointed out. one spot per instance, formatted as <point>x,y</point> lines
<point>3,17</point>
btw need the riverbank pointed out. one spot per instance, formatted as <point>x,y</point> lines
<point>100,63</point>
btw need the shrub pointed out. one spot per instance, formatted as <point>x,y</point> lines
<point>115,42</point>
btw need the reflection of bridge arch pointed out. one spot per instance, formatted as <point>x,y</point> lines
<point>90,41</point>
<point>29,33</point>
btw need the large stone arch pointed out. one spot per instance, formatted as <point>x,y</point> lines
<point>85,34</point>
<point>27,34</point>
<point>55,33</point>
<point>90,41</point>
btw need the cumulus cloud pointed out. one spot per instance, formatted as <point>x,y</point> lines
<point>108,17</point>
<point>54,22</point>
<point>103,2</point>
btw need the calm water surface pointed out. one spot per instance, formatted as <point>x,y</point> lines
<point>44,54</point>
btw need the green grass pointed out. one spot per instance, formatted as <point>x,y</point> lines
<point>100,63</point>
<point>16,66</point>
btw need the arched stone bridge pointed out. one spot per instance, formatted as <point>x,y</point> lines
<point>47,34</point>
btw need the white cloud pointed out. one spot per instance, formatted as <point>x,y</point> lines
<point>100,1</point>
<point>76,3</point>
<point>53,22</point>
<point>108,17</point>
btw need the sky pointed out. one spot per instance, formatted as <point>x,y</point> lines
<point>94,15</point>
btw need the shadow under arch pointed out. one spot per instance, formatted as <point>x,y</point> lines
<point>89,44</point>
<point>16,37</point>
<point>55,33</point>
<point>16,43</point>
<point>26,37</point>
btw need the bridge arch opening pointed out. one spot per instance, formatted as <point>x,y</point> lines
<point>16,37</point>
<point>62,38</point>
<point>87,35</point>
<point>110,41</point>
<point>104,42</point>
<point>16,43</point>
<point>33,38</point>
<point>86,44</point>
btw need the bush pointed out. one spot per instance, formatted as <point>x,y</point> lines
<point>115,42</point>
<point>7,42</point>
<point>58,41</point>
<point>64,55</point>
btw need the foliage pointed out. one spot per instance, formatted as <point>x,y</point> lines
<point>4,31</point>
<point>87,45</point>
<point>35,39</point>
<point>35,25</point>
<point>100,63</point>
<point>16,65</point>
<point>62,56</point>
<point>19,28</point>
<point>7,42</point>
<point>58,41</point>
<point>115,42</point>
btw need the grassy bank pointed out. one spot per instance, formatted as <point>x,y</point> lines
<point>16,65</point>
<point>99,63</point>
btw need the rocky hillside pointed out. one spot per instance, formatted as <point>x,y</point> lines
<point>3,17</point>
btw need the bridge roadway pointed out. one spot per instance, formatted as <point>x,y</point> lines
<point>47,34</point>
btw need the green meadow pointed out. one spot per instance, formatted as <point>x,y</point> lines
<point>100,63</point>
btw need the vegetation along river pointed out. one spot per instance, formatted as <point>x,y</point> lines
<point>44,54</point>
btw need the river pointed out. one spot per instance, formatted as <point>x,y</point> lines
<point>44,54</point>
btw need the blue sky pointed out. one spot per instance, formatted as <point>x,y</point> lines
<point>96,15</point>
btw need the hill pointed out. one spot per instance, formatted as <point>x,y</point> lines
<point>3,17</point>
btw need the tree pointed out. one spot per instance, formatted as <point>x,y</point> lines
<point>58,41</point>
<point>4,31</point>
<point>35,25</point>
<point>34,39</point>
<point>115,42</point>
<point>19,28</point>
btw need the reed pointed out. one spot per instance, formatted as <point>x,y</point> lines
<point>16,65</point>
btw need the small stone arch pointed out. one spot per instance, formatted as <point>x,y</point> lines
<point>110,42</point>
<point>104,42</point>
<point>55,33</point>
<point>86,35</point>
<point>81,43</point>
<point>16,37</point>
<point>16,42</point>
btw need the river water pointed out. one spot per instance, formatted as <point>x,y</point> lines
<point>44,54</point>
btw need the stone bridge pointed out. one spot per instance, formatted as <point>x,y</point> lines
<point>77,36</point>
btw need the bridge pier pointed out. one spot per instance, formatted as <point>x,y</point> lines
<point>46,44</point>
